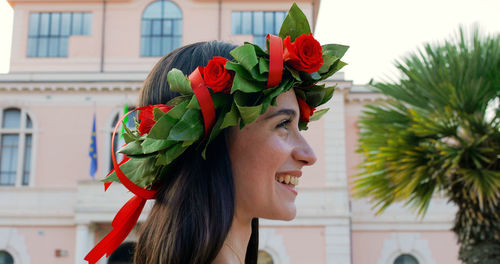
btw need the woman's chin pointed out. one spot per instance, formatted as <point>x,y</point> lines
<point>286,215</point>
<point>289,218</point>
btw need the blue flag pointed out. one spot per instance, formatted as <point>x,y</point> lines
<point>93,151</point>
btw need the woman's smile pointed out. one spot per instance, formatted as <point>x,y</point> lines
<point>288,180</point>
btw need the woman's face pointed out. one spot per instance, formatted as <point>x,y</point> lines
<point>264,151</point>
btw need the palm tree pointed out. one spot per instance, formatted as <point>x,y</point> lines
<point>434,134</point>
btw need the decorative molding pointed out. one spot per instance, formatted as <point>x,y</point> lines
<point>439,216</point>
<point>71,77</point>
<point>70,87</point>
<point>36,206</point>
<point>96,82</point>
<point>72,82</point>
<point>315,206</point>
<point>273,244</point>
<point>364,98</point>
<point>406,243</point>
<point>12,242</point>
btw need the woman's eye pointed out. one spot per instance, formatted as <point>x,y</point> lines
<point>284,123</point>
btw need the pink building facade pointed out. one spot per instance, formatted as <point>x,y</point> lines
<point>73,59</point>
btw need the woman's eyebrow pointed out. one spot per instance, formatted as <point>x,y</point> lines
<point>290,112</point>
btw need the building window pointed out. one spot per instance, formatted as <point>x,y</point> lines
<point>119,141</point>
<point>6,258</point>
<point>161,28</point>
<point>49,32</point>
<point>406,259</point>
<point>16,137</point>
<point>264,258</point>
<point>257,23</point>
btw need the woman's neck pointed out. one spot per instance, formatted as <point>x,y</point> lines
<point>235,246</point>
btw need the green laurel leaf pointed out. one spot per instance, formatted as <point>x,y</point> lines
<point>162,127</point>
<point>245,55</point>
<point>328,61</point>
<point>138,170</point>
<point>157,113</point>
<point>335,50</point>
<point>188,128</point>
<point>248,113</point>
<point>318,114</point>
<point>244,85</point>
<point>263,65</point>
<point>178,82</point>
<point>314,95</point>
<point>231,117</point>
<point>168,156</point>
<point>295,24</point>
<point>328,94</point>
<point>151,145</point>
<point>131,148</point>
<point>215,131</point>
<point>128,135</point>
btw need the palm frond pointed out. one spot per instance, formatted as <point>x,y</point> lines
<point>433,126</point>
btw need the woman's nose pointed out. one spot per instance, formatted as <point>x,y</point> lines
<point>303,152</point>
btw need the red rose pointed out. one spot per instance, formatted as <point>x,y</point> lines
<point>304,54</point>
<point>216,76</point>
<point>305,110</point>
<point>146,117</point>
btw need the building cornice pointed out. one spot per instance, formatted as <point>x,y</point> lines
<point>14,2</point>
<point>99,82</point>
<point>22,206</point>
<point>54,77</point>
<point>71,82</point>
<point>315,206</point>
<point>363,94</point>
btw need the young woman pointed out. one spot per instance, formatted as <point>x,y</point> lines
<point>205,209</point>
<point>216,159</point>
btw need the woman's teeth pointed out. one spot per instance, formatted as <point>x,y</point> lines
<point>288,180</point>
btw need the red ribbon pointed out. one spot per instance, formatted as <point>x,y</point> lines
<point>128,215</point>
<point>204,99</point>
<point>275,60</point>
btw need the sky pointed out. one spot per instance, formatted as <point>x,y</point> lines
<point>379,32</point>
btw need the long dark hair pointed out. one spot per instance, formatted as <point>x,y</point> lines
<point>195,205</point>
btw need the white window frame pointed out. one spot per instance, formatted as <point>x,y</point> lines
<point>22,131</point>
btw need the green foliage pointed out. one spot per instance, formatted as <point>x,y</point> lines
<point>432,134</point>
<point>139,170</point>
<point>178,82</point>
<point>295,24</point>
<point>183,126</point>
<point>246,56</point>
<point>188,128</point>
<point>318,114</point>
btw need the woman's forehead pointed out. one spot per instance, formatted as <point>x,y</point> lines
<point>286,103</point>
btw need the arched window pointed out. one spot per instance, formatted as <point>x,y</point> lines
<point>264,258</point>
<point>406,259</point>
<point>161,28</point>
<point>119,141</point>
<point>16,138</point>
<point>6,258</point>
